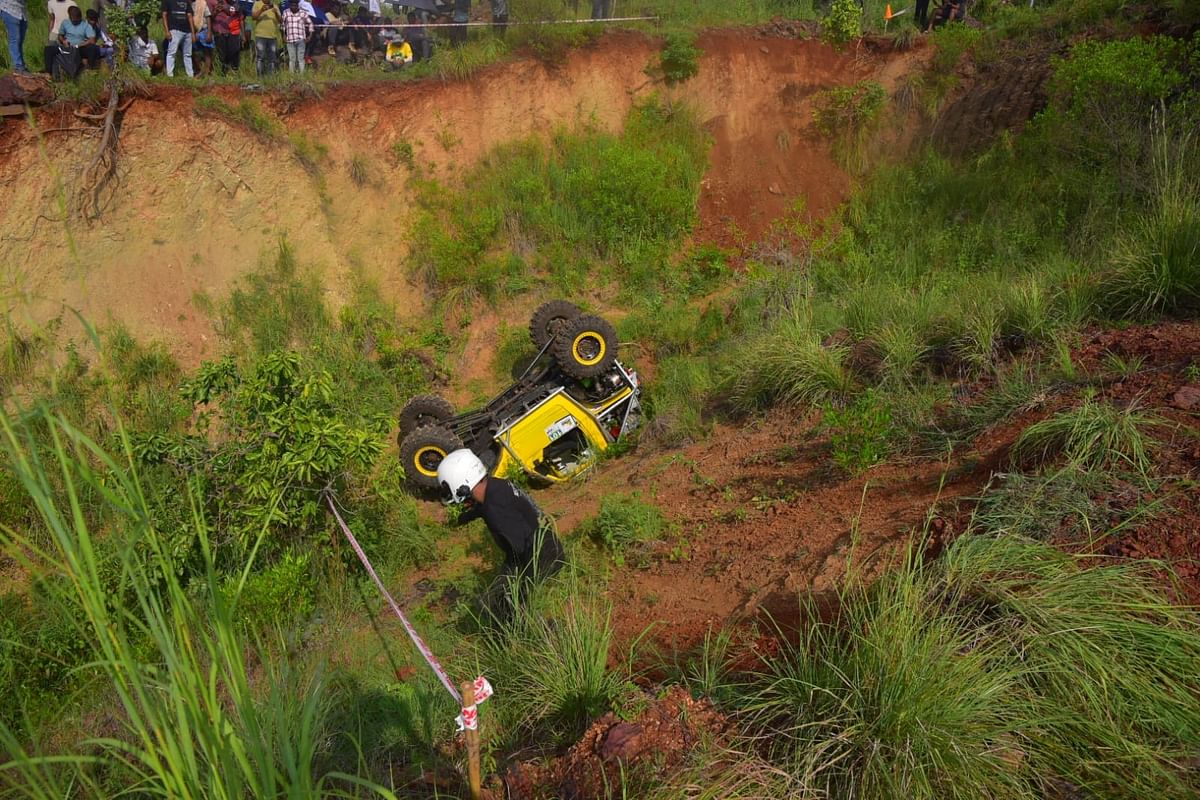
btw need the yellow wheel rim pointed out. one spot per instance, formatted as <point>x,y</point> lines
<point>590,340</point>
<point>424,456</point>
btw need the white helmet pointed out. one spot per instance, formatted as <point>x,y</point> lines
<point>458,474</point>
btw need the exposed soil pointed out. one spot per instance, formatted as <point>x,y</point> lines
<point>996,97</point>
<point>1167,382</point>
<point>761,513</point>
<point>659,739</point>
<point>202,200</point>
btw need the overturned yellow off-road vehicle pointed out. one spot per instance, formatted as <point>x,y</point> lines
<point>573,401</point>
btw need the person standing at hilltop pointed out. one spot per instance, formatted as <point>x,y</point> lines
<point>296,29</point>
<point>177,21</point>
<point>228,41</point>
<point>143,52</point>
<point>500,16</point>
<point>266,35</point>
<point>16,22</point>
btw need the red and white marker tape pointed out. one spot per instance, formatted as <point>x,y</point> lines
<point>468,720</point>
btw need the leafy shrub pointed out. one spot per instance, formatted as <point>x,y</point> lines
<point>623,523</point>
<point>951,42</point>
<point>1123,76</point>
<point>843,23</point>
<point>280,443</point>
<point>788,365</point>
<point>246,113</point>
<point>861,432</point>
<point>676,399</point>
<point>195,724</point>
<point>1156,267</point>
<point>1096,434</point>
<point>1071,503</point>
<point>276,595</point>
<point>848,114</point>
<point>360,170</point>
<point>680,59</point>
<point>402,152</point>
<point>848,108</point>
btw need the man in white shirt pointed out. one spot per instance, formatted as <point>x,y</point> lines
<point>143,52</point>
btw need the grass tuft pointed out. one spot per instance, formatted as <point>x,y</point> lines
<point>623,524</point>
<point>1094,435</point>
<point>1001,669</point>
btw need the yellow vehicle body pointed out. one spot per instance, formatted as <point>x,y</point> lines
<point>524,444</point>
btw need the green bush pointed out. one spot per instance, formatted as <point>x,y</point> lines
<point>189,719</point>
<point>275,596</point>
<point>1156,267</point>
<point>680,59</point>
<point>1094,435</point>
<point>848,109</point>
<point>1070,504</point>
<point>563,208</point>
<point>623,524</point>
<point>861,433</point>
<point>843,23</point>
<point>554,657</point>
<point>789,365</point>
<point>1103,79</point>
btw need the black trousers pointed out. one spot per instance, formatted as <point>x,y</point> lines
<point>921,14</point>
<point>229,51</point>
<point>509,590</point>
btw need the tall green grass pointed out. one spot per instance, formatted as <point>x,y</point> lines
<point>194,717</point>
<point>553,659</point>
<point>1001,670</point>
<point>1095,434</point>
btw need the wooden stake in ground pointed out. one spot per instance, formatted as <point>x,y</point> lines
<point>472,725</point>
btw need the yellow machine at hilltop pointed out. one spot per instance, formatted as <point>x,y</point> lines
<point>573,401</point>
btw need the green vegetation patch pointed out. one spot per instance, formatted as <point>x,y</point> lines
<point>565,209</point>
<point>997,669</point>
<point>623,525</point>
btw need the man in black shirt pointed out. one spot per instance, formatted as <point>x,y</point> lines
<point>532,552</point>
<point>177,22</point>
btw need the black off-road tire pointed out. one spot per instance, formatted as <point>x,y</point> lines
<point>422,451</point>
<point>424,409</point>
<point>549,319</point>
<point>586,347</point>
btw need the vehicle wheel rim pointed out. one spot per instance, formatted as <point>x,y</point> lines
<point>589,348</point>
<point>427,460</point>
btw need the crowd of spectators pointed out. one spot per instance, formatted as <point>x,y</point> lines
<point>200,36</point>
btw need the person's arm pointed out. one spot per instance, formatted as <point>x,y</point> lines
<point>471,511</point>
<point>192,19</point>
<point>256,11</point>
<point>92,39</point>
